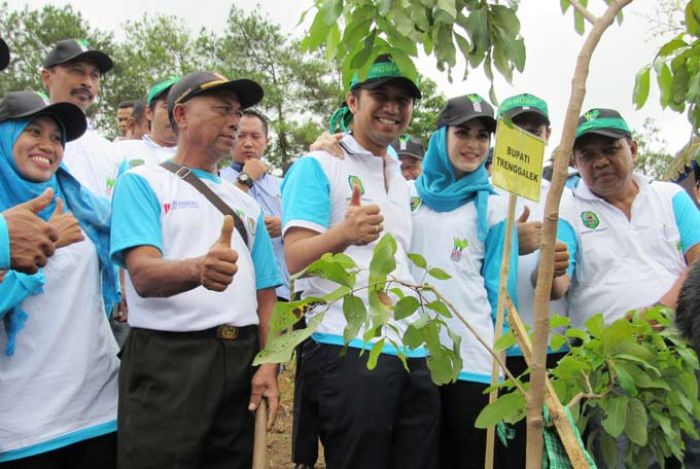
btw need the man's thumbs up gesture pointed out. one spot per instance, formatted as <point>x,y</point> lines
<point>219,264</point>
<point>363,224</point>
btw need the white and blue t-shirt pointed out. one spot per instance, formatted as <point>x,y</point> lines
<point>134,153</point>
<point>60,385</point>
<point>449,240</point>
<point>153,207</point>
<point>93,161</point>
<point>618,264</point>
<point>315,195</point>
<point>527,264</point>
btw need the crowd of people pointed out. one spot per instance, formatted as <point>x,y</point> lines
<point>140,277</point>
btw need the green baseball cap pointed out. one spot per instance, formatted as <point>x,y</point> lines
<point>522,103</point>
<point>382,71</point>
<point>607,122</point>
<point>161,88</point>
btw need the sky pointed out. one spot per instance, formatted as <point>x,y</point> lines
<point>551,42</point>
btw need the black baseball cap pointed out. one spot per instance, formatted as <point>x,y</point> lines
<point>70,50</point>
<point>601,121</point>
<point>408,146</point>
<point>249,93</point>
<point>465,108</point>
<point>4,55</point>
<point>28,104</point>
<point>384,70</point>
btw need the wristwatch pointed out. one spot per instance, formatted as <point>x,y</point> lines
<point>245,179</point>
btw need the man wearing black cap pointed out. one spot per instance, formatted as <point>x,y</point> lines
<point>384,417</point>
<point>410,152</point>
<point>200,292</point>
<point>629,237</point>
<point>72,73</point>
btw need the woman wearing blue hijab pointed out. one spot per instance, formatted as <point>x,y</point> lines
<point>459,226</point>
<point>58,363</point>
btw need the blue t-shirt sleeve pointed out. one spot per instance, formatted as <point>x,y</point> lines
<point>267,274</point>
<point>491,269</point>
<point>135,217</point>
<point>306,194</point>
<point>16,287</point>
<point>566,234</point>
<point>4,244</point>
<point>687,219</point>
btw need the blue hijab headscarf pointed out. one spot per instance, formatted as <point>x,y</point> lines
<point>439,188</point>
<point>91,211</point>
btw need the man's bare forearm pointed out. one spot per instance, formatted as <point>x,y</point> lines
<point>154,277</point>
<point>302,246</point>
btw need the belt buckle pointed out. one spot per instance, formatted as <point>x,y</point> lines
<point>227,332</point>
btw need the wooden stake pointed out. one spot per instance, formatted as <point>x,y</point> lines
<point>500,311</point>
<point>260,442</point>
<point>556,408</point>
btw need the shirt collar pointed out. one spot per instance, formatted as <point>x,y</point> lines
<point>352,147</point>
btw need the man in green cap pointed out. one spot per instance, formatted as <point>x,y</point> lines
<point>159,144</point>
<point>629,237</point>
<point>384,417</point>
<point>531,114</point>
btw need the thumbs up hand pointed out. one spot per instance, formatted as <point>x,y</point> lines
<point>219,264</point>
<point>66,225</point>
<point>529,233</point>
<point>363,224</point>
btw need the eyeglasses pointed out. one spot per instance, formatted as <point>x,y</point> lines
<point>227,111</point>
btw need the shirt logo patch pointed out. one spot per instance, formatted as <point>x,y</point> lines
<point>355,181</point>
<point>136,162</point>
<point>590,219</point>
<point>178,204</point>
<point>415,203</point>
<point>239,212</point>
<point>111,183</point>
<point>458,248</point>
<point>251,224</point>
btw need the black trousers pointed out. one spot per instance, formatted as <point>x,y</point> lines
<point>99,452</point>
<point>183,400</point>
<point>462,446</point>
<point>513,457</point>
<point>305,429</point>
<point>384,418</point>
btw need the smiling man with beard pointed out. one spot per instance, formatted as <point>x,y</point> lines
<point>385,417</point>
<point>73,73</point>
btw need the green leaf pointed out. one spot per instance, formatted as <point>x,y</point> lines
<point>440,308</point>
<point>504,342</point>
<point>317,33</point>
<point>616,415</point>
<point>418,260</point>
<point>564,5</point>
<point>413,337</point>
<point>507,405</point>
<point>609,448</point>
<point>579,334</point>
<point>557,341</point>
<point>507,19</point>
<point>679,85</point>
<point>405,307</point>
<point>355,315</point>
<point>398,292</point>
<point>665,81</point>
<point>280,348</point>
<point>641,87</point>
<point>444,367</point>
<point>557,321</point>
<point>445,11</point>
<point>595,325</point>
<point>624,379</point>
<point>383,261</point>
<point>691,20</point>
<point>636,424</point>
<point>439,274</point>
<point>374,354</point>
<point>579,23</point>
<point>331,9</point>
<point>384,7</point>
<point>616,333</point>
<point>336,294</point>
<point>672,45</point>
<point>363,56</point>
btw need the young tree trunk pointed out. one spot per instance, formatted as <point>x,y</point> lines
<point>562,153</point>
